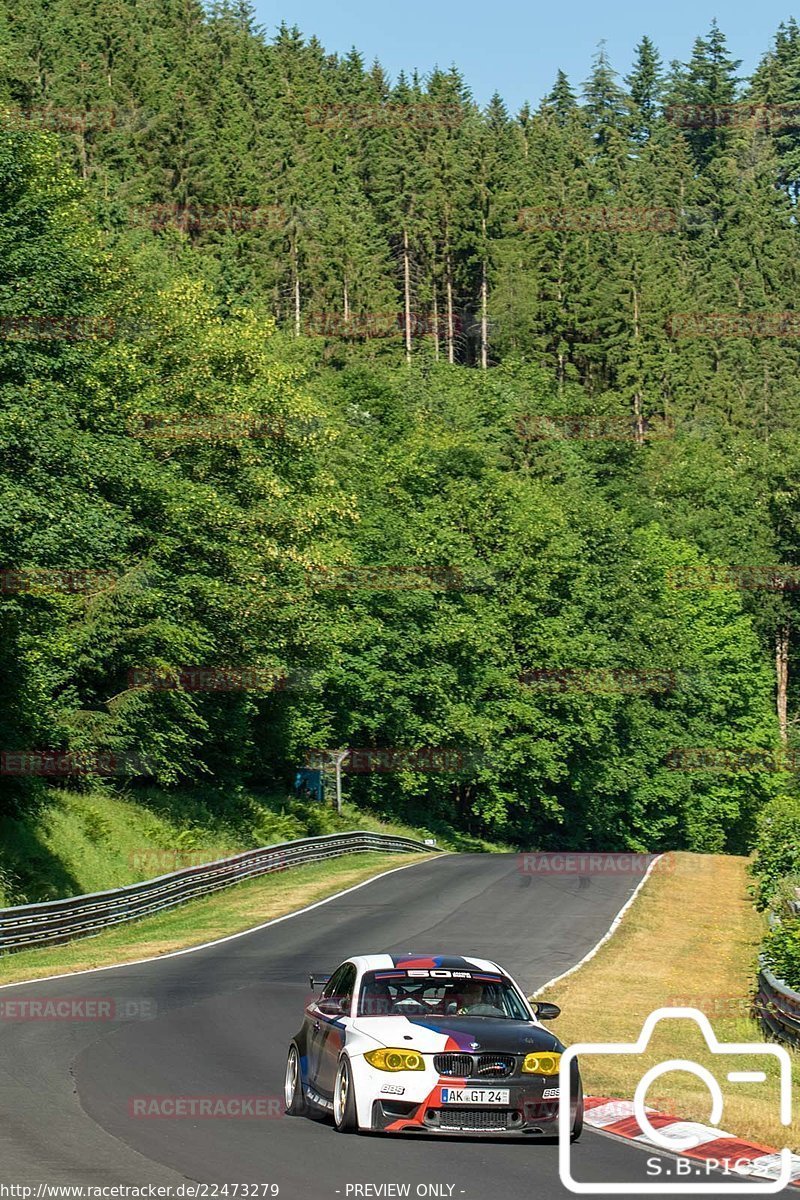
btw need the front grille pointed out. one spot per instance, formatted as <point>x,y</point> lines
<point>470,1066</point>
<point>495,1066</point>
<point>453,1064</point>
<point>476,1118</point>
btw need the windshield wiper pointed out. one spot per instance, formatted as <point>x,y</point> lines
<point>487,1016</point>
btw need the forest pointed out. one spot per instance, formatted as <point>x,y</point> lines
<point>340,411</point>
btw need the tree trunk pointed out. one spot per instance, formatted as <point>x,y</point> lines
<point>435,320</point>
<point>450,329</point>
<point>83,155</point>
<point>295,285</point>
<point>638,423</point>
<point>407,293</point>
<point>484,303</point>
<point>782,676</point>
<point>561,374</point>
<point>484,319</point>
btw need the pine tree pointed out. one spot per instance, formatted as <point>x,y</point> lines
<point>399,181</point>
<point>645,87</point>
<point>489,148</point>
<point>708,85</point>
<point>605,101</point>
<point>776,81</point>
<point>560,100</point>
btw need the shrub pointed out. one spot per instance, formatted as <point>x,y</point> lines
<point>777,848</point>
<point>97,825</point>
<point>782,952</point>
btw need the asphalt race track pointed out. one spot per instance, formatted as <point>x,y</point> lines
<point>216,1023</point>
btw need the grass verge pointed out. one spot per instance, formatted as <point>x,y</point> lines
<point>690,939</point>
<point>239,907</point>
<point>73,842</point>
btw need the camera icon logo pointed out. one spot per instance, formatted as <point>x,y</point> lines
<point>689,1140</point>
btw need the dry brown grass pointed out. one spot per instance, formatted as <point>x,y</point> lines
<point>691,938</point>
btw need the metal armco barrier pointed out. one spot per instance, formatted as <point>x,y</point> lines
<point>82,916</point>
<point>778,1008</point>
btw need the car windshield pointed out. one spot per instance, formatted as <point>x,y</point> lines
<point>394,993</point>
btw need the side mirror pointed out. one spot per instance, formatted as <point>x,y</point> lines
<point>546,1011</point>
<point>330,1007</point>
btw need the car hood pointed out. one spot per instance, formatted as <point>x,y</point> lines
<point>433,1035</point>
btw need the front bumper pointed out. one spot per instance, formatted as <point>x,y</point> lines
<point>527,1113</point>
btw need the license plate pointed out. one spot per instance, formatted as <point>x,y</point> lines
<point>475,1095</point>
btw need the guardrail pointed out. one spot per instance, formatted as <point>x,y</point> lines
<point>778,1008</point>
<point>82,916</point>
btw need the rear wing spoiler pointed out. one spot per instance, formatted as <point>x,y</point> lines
<point>315,981</point>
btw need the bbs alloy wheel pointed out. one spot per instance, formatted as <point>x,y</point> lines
<point>293,1085</point>
<point>344,1100</point>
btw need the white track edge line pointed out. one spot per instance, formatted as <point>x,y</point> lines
<point>230,937</point>
<point>605,937</point>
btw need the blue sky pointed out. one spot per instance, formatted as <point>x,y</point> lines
<point>516,46</point>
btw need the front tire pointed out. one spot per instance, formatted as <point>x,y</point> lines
<point>344,1099</point>
<point>577,1128</point>
<point>296,1104</point>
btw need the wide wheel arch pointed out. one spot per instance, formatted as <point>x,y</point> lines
<point>345,1114</point>
<point>294,1091</point>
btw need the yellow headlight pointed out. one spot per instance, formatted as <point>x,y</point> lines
<point>395,1060</point>
<point>542,1064</point>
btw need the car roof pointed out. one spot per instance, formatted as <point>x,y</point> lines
<point>454,962</point>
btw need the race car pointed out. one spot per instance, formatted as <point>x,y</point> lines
<point>437,1044</point>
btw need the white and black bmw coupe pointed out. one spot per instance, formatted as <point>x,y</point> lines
<point>421,1043</point>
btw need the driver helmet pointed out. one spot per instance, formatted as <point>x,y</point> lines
<point>471,994</point>
<point>378,1000</point>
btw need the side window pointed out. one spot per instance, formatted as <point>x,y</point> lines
<point>346,986</point>
<point>332,987</point>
